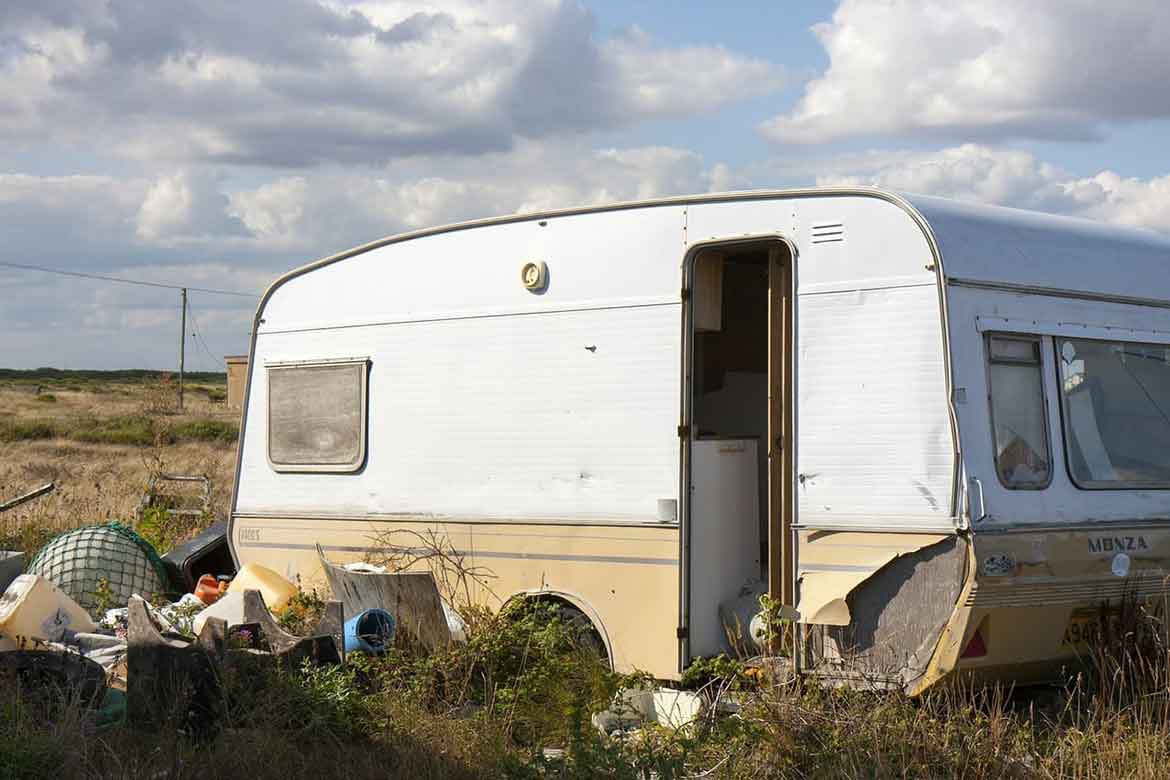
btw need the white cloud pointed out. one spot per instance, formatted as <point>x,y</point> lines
<point>197,228</point>
<point>987,69</point>
<point>332,211</point>
<point>184,207</point>
<point>360,84</point>
<point>204,230</point>
<point>685,80</point>
<point>166,207</point>
<point>1011,178</point>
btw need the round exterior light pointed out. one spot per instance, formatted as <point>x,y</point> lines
<point>534,275</point>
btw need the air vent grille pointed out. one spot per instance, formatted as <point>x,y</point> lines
<point>827,232</point>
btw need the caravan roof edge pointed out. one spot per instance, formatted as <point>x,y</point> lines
<point>677,200</point>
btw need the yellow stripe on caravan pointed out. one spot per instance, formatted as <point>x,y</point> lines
<point>623,575</point>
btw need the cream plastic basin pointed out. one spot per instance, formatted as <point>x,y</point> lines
<point>35,609</point>
<point>275,589</point>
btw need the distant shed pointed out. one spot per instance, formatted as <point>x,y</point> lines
<point>237,377</point>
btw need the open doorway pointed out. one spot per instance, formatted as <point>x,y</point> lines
<point>739,515</point>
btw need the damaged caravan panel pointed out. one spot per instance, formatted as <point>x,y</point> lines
<point>910,421</point>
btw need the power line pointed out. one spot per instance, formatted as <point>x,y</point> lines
<point>100,277</point>
<point>199,338</point>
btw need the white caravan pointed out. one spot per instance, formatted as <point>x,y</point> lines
<point>939,431</point>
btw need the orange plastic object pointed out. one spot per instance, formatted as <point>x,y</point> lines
<point>207,590</point>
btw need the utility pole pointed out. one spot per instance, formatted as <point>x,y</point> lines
<point>182,343</point>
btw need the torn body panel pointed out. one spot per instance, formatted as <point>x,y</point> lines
<point>878,603</point>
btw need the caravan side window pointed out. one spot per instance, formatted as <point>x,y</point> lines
<point>317,416</point>
<point>1115,397</point>
<point>1019,424</point>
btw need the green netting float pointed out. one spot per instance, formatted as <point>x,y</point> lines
<point>78,562</point>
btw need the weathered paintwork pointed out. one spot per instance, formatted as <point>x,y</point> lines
<point>538,432</point>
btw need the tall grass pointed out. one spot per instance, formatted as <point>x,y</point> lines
<point>493,706</point>
<point>131,430</point>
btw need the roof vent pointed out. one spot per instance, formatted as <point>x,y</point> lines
<point>827,232</point>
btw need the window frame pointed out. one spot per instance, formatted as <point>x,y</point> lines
<point>350,467</point>
<point>1038,340</point>
<point>1093,485</point>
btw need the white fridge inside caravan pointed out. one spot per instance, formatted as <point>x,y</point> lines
<point>724,533</point>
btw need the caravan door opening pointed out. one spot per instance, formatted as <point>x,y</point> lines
<point>735,540</point>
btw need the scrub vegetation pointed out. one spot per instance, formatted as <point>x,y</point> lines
<point>100,442</point>
<point>515,700</point>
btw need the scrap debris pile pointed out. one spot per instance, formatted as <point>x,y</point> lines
<point>99,616</point>
<point>98,613</point>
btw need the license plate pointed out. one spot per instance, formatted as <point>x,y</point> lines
<point>1084,629</point>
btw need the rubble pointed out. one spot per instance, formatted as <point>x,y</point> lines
<point>411,597</point>
<point>634,708</point>
<point>67,674</point>
<point>150,663</point>
<point>11,567</point>
<point>172,676</point>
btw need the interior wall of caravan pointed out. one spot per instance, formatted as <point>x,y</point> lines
<point>731,356</point>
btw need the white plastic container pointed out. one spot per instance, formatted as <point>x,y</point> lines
<point>275,589</point>
<point>229,608</point>
<point>35,609</point>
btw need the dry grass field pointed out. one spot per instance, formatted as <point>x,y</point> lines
<point>494,706</point>
<point>100,442</point>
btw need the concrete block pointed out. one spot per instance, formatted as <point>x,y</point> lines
<point>11,567</point>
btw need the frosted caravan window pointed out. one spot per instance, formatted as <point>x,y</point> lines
<point>1022,456</point>
<point>316,416</point>
<point>1115,399</point>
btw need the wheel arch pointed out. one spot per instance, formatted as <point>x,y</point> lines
<point>574,601</point>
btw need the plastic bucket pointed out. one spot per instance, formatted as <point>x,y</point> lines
<point>369,631</point>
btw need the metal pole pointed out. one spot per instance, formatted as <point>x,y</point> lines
<point>182,343</point>
<point>42,490</point>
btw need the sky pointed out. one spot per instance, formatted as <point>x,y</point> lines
<point>219,143</point>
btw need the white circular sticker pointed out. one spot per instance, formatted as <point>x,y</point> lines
<point>1120,564</point>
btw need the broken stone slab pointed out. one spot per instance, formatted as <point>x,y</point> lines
<point>635,708</point>
<point>243,607</point>
<point>171,677</point>
<point>62,674</point>
<point>11,567</point>
<point>325,646</point>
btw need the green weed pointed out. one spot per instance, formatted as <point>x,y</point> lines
<point>302,613</point>
<point>219,431</point>
<point>134,430</point>
<point>165,529</point>
<point>24,430</point>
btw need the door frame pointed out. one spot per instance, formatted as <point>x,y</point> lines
<point>781,414</point>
